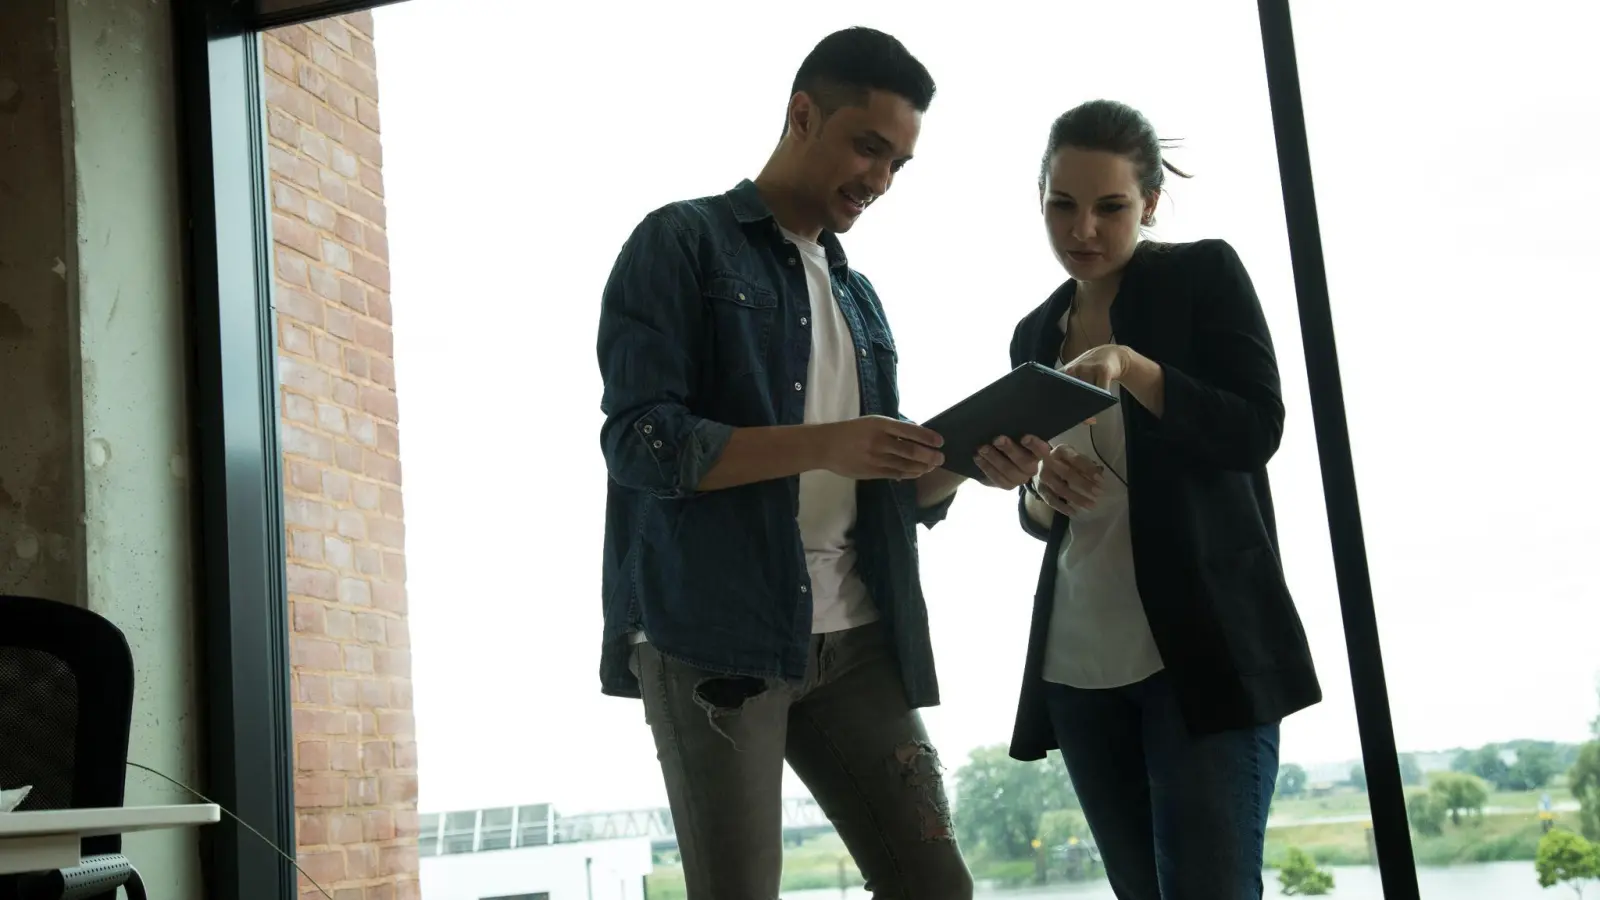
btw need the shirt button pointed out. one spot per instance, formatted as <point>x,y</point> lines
<point>741,296</point>
<point>649,428</point>
<point>798,387</point>
<point>804,589</point>
<point>863,353</point>
<point>791,260</point>
<point>804,320</point>
<point>656,444</point>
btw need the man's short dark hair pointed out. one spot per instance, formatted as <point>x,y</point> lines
<point>846,65</point>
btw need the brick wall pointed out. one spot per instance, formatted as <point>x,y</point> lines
<point>355,751</point>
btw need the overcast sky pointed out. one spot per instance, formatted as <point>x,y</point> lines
<point>522,143</point>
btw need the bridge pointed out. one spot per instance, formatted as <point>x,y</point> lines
<point>799,815</point>
<point>510,827</point>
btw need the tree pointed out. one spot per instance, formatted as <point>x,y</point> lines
<point>1410,771</point>
<point>1584,782</point>
<point>1459,794</point>
<point>1292,780</point>
<point>1001,802</point>
<point>1486,763</point>
<point>1426,814</point>
<point>1564,857</point>
<point>1300,877</point>
<point>1058,826</point>
<point>1358,777</point>
<point>1594,726</point>
<point>1536,764</point>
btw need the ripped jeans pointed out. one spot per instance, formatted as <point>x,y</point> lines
<point>849,734</point>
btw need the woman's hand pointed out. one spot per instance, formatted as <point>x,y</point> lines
<point>1102,366</point>
<point>1006,464</point>
<point>1068,482</point>
<point>1115,364</point>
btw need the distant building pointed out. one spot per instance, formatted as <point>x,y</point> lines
<point>523,853</point>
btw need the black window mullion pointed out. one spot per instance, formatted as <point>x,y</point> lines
<point>265,14</point>
<point>1385,792</point>
<point>241,599</point>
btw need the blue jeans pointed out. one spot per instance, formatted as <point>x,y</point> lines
<point>1176,815</point>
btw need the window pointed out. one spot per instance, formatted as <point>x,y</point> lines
<point>974,165</point>
<point>1486,600</point>
<point>534,825</point>
<point>428,834</point>
<point>1213,98</point>
<point>496,830</point>
<point>460,832</point>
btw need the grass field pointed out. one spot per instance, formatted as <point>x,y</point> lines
<point>1497,837</point>
<point>821,863</point>
<point>1354,803</point>
<point>1494,838</point>
<point>815,864</point>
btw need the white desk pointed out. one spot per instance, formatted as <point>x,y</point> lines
<point>51,839</point>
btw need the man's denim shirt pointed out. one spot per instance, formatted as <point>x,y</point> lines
<point>705,327</point>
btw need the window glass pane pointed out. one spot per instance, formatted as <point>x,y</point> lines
<point>533,825</point>
<point>1455,179</point>
<point>499,256</point>
<point>428,834</point>
<point>459,830</point>
<point>496,829</point>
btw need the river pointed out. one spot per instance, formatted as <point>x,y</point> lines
<point>1480,881</point>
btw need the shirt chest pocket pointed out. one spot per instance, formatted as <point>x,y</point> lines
<point>741,316</point>
<point>880,362</point>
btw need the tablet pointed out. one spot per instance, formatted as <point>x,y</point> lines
<point>1030,399</point>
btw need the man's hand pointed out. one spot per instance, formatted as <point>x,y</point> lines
<point>873,447</point>
<point>1068,481</point>
<point>1005,464</point>
<point>1102,366</point>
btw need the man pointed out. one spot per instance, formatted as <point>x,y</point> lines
<point>760,585</point>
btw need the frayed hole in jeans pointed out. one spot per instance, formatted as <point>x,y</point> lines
<point>917,765</point>
<point>725,695</point>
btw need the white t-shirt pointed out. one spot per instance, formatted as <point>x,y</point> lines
<point>827,511</point>
<point>827,514</point>
<point>1099,636</point>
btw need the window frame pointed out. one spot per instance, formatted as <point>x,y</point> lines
<point>1379,756</point>
<point>243,601</point>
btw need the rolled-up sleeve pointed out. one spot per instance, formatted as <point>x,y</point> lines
<point>651,340</point>
<point>934,513</point>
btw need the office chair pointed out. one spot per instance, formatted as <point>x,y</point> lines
<point>66,706</point>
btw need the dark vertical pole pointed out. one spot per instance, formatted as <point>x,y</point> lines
<point>1384,789</point>
<point>242,600</point>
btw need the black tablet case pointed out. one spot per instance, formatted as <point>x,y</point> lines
<point>1030,399</point>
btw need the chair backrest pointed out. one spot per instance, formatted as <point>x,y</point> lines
<point>66,706</point>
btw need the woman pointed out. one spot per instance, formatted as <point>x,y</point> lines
<point>1165,647</point>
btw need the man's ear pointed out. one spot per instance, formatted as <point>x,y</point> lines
<point>805,116</point>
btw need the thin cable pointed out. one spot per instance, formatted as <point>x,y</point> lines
<point>247,826</point>
<point>1096,447</point>
<point>1103,461</point>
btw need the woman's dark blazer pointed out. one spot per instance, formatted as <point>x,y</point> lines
<point>1205,546</point>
